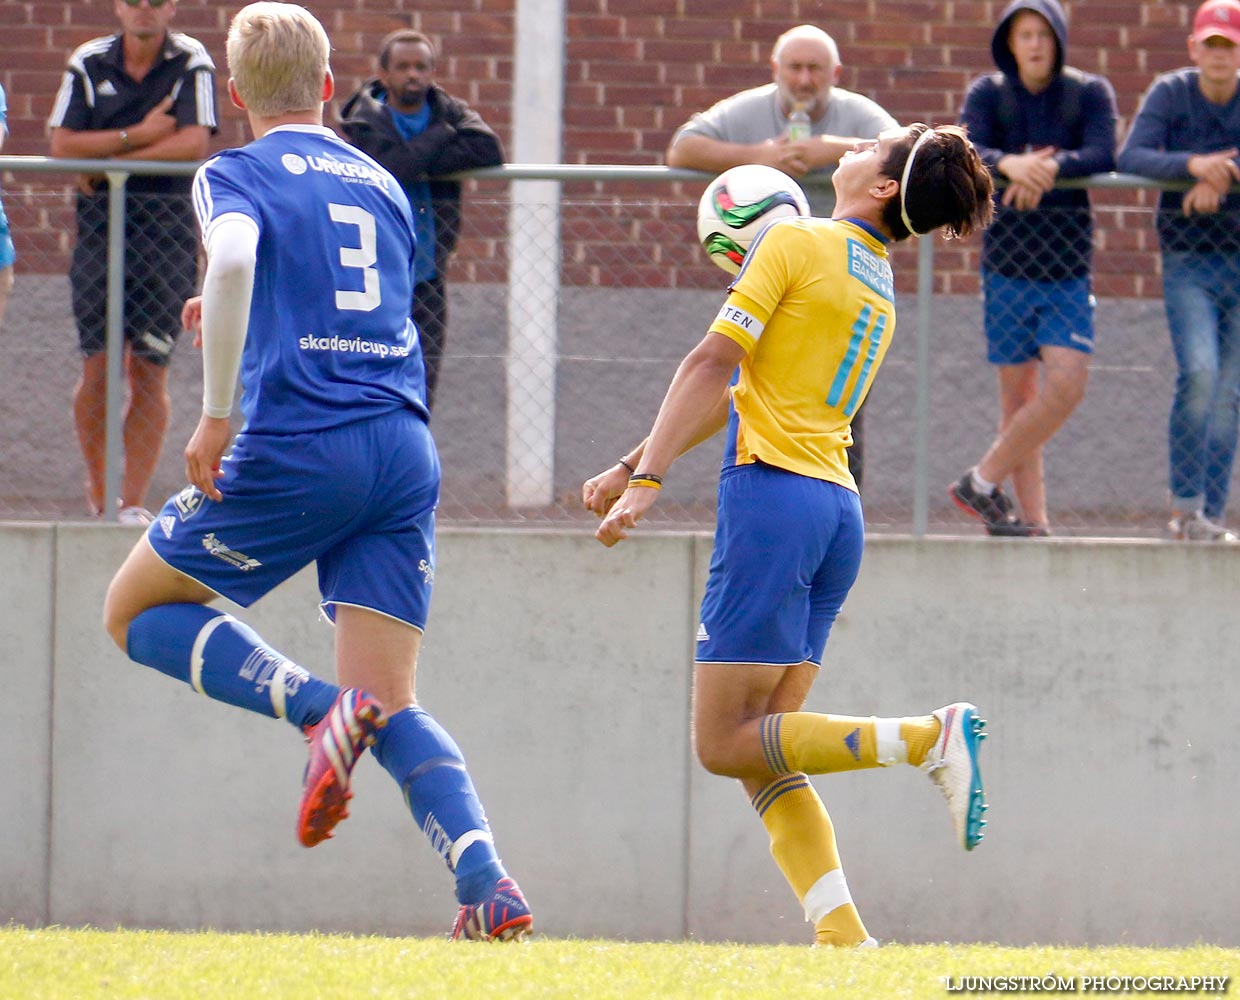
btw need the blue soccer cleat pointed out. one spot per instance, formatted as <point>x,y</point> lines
<point>503,916</point>
<point>336,743</point>
<point>952,765</point>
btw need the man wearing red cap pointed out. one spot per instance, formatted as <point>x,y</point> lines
<point>1188,128</point>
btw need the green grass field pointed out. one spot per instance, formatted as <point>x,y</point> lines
<point>61,964</point>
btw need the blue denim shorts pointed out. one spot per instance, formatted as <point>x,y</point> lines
<point>358,500</point>
<point>1023,316</point>
<point>787,550</point>
<point>7,253</point>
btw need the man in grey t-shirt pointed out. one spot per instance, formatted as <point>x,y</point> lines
<point>753,126</point>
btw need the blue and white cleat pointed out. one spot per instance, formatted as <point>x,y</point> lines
<point>952,765</point>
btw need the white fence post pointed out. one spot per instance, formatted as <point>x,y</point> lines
<point>534,256</point>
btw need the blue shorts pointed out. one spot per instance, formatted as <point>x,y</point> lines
<point>1023,316</point>
<point>787,550</point>
<point>359,500</point>
<point>7,254</point>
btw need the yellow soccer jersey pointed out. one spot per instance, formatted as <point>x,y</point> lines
<point>814,308</point>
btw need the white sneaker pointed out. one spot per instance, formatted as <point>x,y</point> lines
<point>952,765</point>
<point>134,515</point>
<point>1199,528</point>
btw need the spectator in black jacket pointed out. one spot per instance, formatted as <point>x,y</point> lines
<point>418,132</point>
<point>1033,122</point>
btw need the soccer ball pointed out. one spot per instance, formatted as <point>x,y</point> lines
<point>739,204</point>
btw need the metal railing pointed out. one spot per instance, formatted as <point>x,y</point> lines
<point>573,297</point>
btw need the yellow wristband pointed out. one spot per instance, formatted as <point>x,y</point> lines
<point>646,479</point>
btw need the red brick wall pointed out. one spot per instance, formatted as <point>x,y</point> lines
<point>635,69</point>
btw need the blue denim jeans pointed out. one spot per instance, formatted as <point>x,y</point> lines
<point>1201,292</point>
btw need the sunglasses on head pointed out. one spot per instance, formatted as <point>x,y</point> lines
<point>150,3</point>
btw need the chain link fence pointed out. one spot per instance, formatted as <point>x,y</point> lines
<point>571,301</point>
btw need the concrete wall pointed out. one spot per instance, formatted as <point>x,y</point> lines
<point>1105,670</point>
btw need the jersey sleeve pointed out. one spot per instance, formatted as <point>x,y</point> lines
<point>708,123</point>
<point>70,109</point>
<point>221,190</point>
<point>758,289</point>
<point>195,100</point>
<point>1145,149</point>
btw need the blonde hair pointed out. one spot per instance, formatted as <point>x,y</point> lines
<point>278,58</point>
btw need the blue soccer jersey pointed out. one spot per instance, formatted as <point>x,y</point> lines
<point>328,217</point>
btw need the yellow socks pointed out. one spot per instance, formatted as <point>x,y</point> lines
<point>803,845</point>
<point>824,744</point>
<point>919,735</point>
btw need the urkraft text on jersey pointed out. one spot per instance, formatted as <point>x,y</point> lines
<point>348,171</point>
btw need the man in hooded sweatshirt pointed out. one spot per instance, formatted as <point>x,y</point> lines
<point>1034,122</point>
<point>419,131</point>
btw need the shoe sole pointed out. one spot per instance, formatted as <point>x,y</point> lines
<point>325,806</point>
<point>971,728</point>
<point>965,506</point>
<point>994,529</point>
<point>514,930</point>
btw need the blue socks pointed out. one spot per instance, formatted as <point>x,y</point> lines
<point>429,767</point>
<point>227,660</point>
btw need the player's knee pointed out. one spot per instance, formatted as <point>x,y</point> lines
<point>116,621</point>
<point>715,756</point>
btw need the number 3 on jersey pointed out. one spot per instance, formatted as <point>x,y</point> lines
<point>362,257</point>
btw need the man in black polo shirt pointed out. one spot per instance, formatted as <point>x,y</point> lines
<point>143,94</point>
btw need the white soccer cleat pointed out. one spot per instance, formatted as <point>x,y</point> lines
<point>952,765</point>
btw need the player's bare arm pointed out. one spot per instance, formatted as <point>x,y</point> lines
<point>191,318</point>
<point>689,408</point>
<point>600,492</point>
<point>205,452</point>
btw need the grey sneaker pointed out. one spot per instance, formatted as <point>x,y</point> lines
<point>994,509</point>
<point>134,515</point>
<point>1199,528</point>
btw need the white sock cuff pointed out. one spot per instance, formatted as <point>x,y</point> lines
<point>829,893</point>
<point>890,748</point>
<point>464,842</point>
<point>200,643</point>
<point>982,485</point>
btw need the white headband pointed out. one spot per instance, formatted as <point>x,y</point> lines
<point>908,169</point>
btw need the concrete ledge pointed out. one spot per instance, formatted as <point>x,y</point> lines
<point>563,670</point>
<point>27,589</point>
